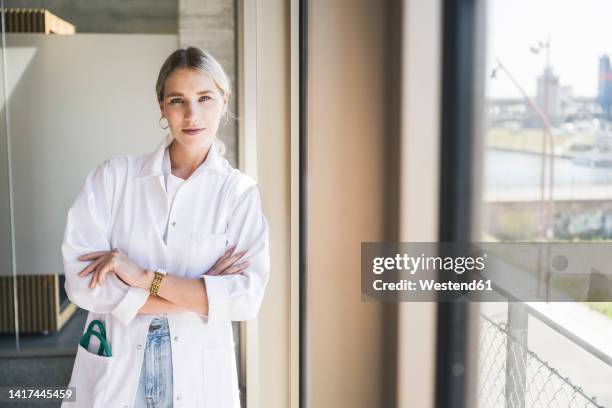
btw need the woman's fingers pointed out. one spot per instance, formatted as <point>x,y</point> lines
<point>91,255</point>
<point>236,268</point>
<point>90,268</point>
<point>102,276</point>
<point>94,279</point>
<point>219,268</point>
<point>225,261</point>
<point>231,260</point>
<point>225,255</point>
<point>99,275</point>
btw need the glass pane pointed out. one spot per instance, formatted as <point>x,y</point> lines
<point>548,156</point>
<point>80,88</point>
<point>8,336</point>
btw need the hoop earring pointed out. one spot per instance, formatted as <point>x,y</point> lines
<point>160,123</point>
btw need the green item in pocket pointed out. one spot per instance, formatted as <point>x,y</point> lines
<point>101,335</point>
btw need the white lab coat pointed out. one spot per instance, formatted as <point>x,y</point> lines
<point>124,205</point>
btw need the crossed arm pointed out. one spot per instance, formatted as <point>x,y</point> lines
<point>156,304</point>
<point>120,287</point>
<point>176,293</point>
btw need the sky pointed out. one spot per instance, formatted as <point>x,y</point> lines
<point>580,32</point>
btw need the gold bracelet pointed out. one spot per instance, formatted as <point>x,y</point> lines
<point>156,282</point>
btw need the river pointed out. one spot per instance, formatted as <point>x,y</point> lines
<point>505,169</point>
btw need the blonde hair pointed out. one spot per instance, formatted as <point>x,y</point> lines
<point>203,61</point>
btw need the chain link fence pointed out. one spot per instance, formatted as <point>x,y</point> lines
<point>511,376</point>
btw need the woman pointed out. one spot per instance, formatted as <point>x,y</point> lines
<point>167,249</point>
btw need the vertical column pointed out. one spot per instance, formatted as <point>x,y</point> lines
<point>211,25</point>
<point>516,355</point>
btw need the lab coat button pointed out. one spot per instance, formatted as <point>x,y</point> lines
<point>178,397</point>
<point>173,223</point>
<point>175,338</point>
<point>139,347</point>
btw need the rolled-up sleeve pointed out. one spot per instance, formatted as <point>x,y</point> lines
<point>238,297</point>
<point>88,230</point>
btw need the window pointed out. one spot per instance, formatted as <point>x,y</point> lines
<point>546,177</point>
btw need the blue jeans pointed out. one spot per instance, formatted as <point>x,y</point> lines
<point>155,385</point>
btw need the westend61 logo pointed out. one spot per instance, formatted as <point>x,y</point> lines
<point>486,271</point>
<point>413,264</point>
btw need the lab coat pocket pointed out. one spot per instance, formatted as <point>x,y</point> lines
<point>220,385</point>
<point>204,251</point>
<point>92,375</point>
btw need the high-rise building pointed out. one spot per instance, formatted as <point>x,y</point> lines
<point>605,86</point>
<point>549,95</point>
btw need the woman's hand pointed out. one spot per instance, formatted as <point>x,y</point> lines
<point>228,263</point>
<point>111,261</point>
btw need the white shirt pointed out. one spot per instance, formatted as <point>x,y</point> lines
<point>172,184</point>
<point>124,205</point>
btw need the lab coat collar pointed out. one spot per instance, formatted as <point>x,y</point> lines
<point>153,162</point>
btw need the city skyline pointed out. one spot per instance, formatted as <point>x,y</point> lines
<point>579,34</point>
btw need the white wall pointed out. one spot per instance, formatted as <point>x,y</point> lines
<point>73,102</point>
